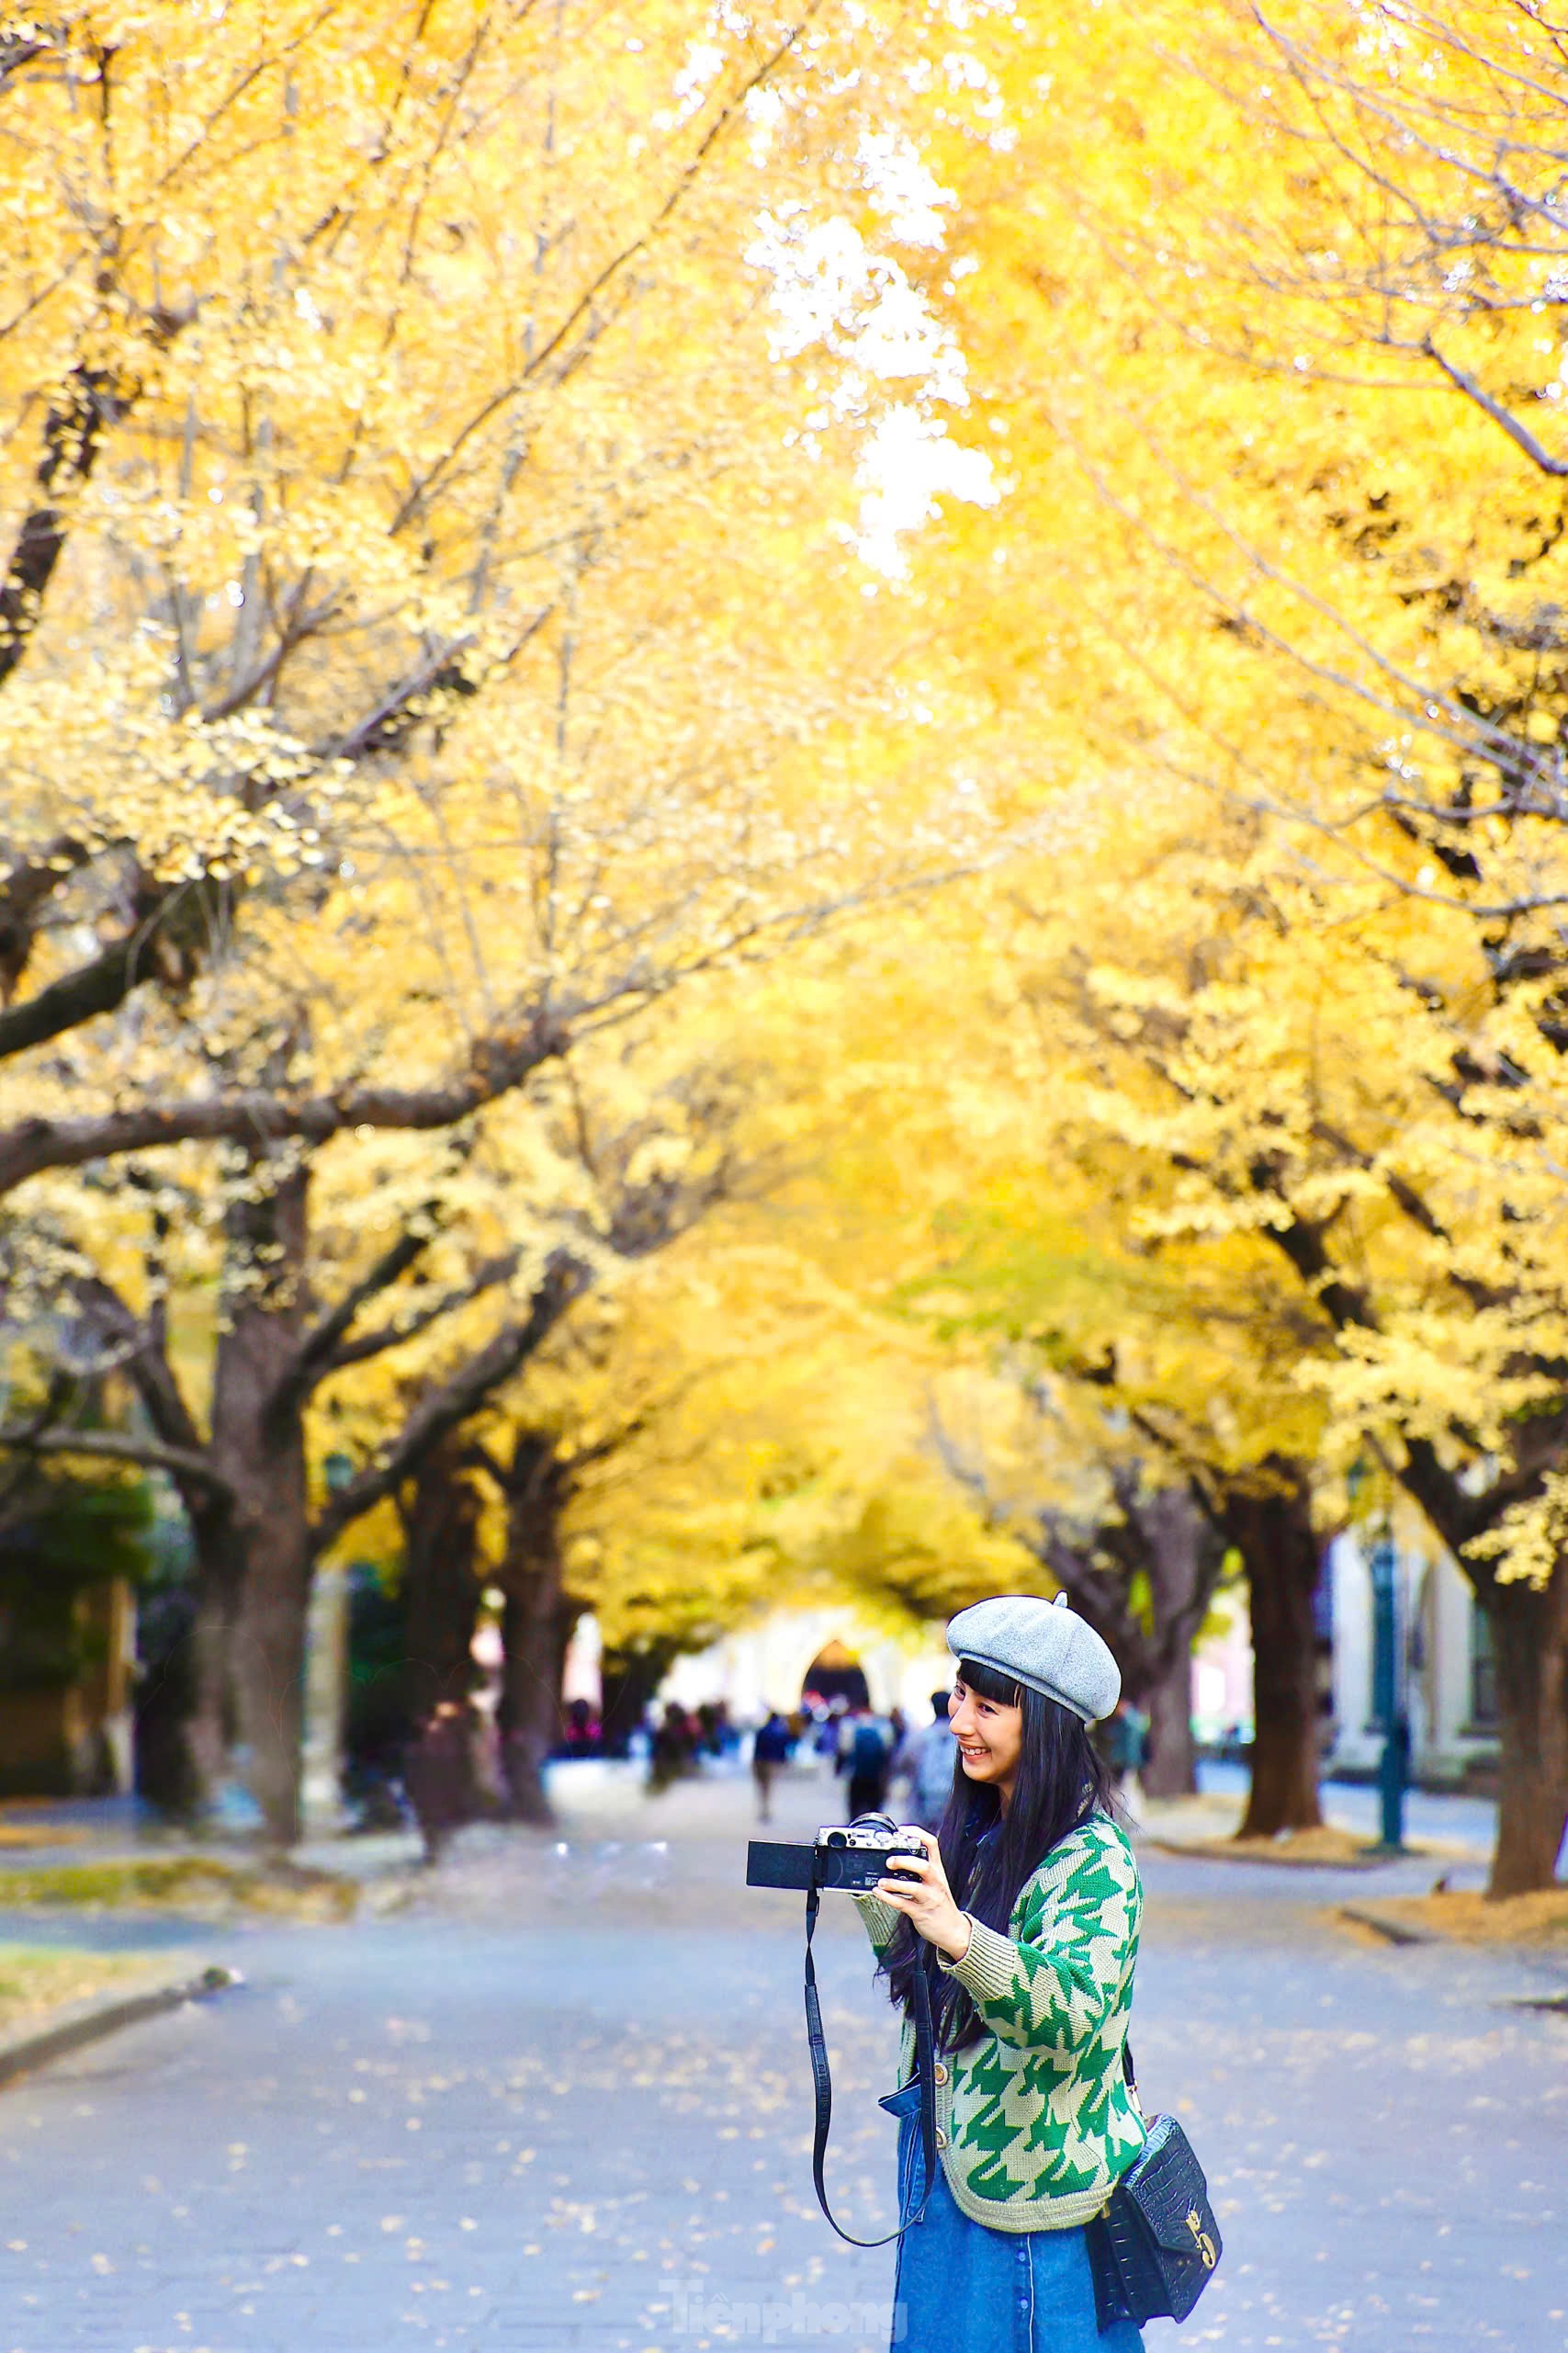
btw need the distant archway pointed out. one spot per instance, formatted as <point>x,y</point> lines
<point>835,1674</point>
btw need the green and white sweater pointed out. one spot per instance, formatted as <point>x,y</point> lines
<point>1034,2119</point>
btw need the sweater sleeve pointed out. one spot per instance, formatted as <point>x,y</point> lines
<point>880,1919</point>
<point>1053,1986</point>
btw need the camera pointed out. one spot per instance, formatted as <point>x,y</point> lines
<point>852,1856</point>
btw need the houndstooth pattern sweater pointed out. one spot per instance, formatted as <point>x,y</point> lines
<point>1034,2119</point>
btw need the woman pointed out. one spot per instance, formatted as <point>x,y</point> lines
<point>1030,1966</point>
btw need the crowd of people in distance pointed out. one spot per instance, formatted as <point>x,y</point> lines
<point>680,1738</point>
<point>869,1751</point>
<point>873,1754</point>
<point>877,1754</point>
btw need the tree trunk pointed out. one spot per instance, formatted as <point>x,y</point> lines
<point>629,1680</point>
<point>442,1581</point>
<point>208,1728</point>
<point>535,1624</point>
<point>1172,1767</point>
<point>1183,1567</point>
<point>1272,1528</point>
<point>260,1452</point>
<point>1529,1632</point>
<point>535,1637</point>
<point>1145,1582</point>
<point>442,1589</point>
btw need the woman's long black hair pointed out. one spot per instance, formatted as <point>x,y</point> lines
<point>1061,1780</point>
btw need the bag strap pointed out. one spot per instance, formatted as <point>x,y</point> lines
<point>1127,2069</point>
<point>822,2084</point>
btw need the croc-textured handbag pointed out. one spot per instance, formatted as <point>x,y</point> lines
<point>1155,2242</point>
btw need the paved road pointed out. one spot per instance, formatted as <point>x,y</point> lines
<point>561,2102</point>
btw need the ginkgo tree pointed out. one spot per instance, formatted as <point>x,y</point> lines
<point>1117,1384</point>
<point>1259,310</point>
<point>430,635</point>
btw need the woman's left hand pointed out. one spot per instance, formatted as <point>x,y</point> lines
<point>921,1891</point>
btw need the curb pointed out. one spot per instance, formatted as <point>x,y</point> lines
<point>104,2014</point>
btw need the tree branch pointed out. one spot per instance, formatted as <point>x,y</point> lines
<point>442,1409</point>
<point>257,1115</point>
<point>1520,434</point>
<point>609,271</point>
<point>314,1356</point>
<point>103,985</point>
<point>72,432</point>
<point>148,1365</point>
<point>110,1445</point>
<point>31,883</point>
<point>375,1343</point>
<point>80,996</point>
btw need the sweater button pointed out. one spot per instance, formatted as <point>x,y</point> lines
<point>941,2140</point>
<point>939,2072</point>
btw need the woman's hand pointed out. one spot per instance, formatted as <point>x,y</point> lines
<point>921,1891</point>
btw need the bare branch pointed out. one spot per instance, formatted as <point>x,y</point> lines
<point>442,1409</point>
<point>1520,434</point>
<point>582,308</point>
<point>148,950</point>
<point>147,1362</point>
<point>257,1115</point>
<point>31,883</point>
<point>72,434</point>
<point>110,1445</point>
<point>366,1345</point>
<point>317,1349</point>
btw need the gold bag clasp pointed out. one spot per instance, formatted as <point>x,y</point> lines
<point>1205,2243</point>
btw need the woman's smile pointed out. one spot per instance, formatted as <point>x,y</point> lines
<point>989,1736</point>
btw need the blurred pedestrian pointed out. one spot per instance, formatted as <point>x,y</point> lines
<point>769,1751</point>
<point>674,1748</point>
<point>581,1735</point>
<point>1123,1743</point>
<point>438,1776</point>
<point>926,1761</point>
<point>865,1752</point>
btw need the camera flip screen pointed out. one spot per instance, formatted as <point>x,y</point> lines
<point>772,1865</point>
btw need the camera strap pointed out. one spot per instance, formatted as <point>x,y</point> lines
<point>822,2083</point>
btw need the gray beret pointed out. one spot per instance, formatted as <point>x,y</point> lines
<point>1043,1644</point>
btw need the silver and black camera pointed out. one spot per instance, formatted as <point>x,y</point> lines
<point>854,1856</point>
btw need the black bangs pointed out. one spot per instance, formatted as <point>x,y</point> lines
<point>990,1683</point>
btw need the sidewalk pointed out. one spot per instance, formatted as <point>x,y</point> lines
<point>1454,1833</point>
<point>561,2100</point>
<point>1456,1823</point>
<point>44,1834</point>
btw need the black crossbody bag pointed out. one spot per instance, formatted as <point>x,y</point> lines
<point>1155,2242</point>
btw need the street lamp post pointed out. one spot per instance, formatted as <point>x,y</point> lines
<point>1388,1696</point>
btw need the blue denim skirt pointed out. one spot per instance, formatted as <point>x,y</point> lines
<point>964,2287</point>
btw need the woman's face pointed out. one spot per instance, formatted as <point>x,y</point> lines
<point>989,1735</point>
